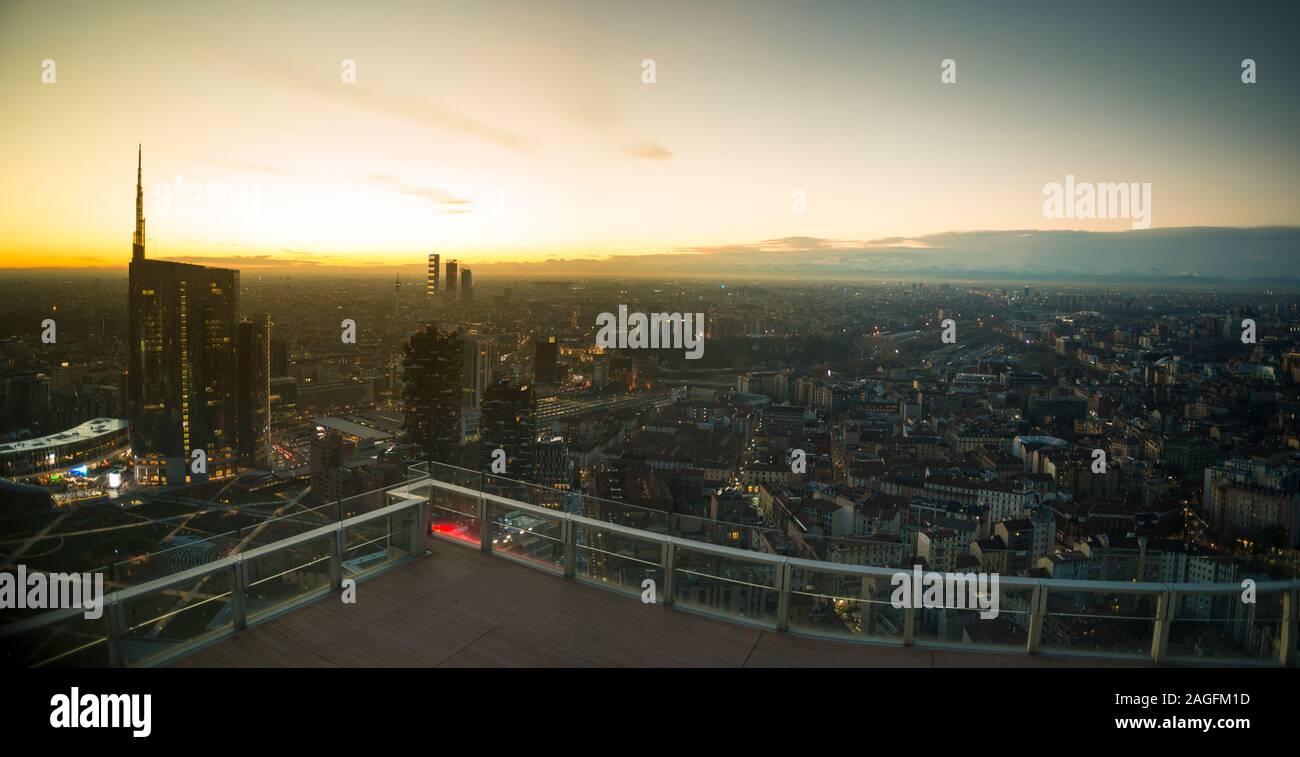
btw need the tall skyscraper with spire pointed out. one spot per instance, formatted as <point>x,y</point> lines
<point>181,376</point>
<point>137,239</point>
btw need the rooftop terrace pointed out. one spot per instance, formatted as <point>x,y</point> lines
<point>462,568</point>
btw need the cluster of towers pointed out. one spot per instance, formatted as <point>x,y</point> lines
<point>459,282</point>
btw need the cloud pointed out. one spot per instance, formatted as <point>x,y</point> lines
<point>433,195</point>
<point>1201,253</point>
<point>650,151</point>
<point>326,83</point>
<point>253,261</point>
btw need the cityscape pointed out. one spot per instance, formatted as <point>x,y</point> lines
<point>1028,440</point>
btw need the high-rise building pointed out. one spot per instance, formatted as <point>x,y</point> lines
<point>431,284</point>
<point>553,468</point>
<point>477,371</point>
<point>330,479</point>
<point>546,357</point>
<point>181,377</point>
<point>509,423</point>
<point>452,274</point>
<point>254,391</point>
<point>466,285</point>
<point>432,366</point>
<point>279,357</point>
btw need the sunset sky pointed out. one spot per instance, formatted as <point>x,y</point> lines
<point>523,131</point>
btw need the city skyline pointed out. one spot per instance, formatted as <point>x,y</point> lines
<point>534,151</point>
<point>727,334</point>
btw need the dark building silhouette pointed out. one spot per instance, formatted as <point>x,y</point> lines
<point>254,391</point>
<point>453,269</point>
<point>432,365</point>
<point>477,370</point>
<point>546,368</point>
<point>509,423</point>
<point>331,480</point>
<point>279,358</point>
<point>181,379</point>
<point>466,285</point>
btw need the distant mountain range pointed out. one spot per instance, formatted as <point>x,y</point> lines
<point>1190,255</point>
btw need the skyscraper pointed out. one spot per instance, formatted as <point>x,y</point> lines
<point>254,391</point>
<point>452,272</point>
<point>181,375</point>
<point>466,285</point>
<point>477,370</point>
<point>431,283</point>
<point>546,358</point>
<point>432,365</point>
<point>509,423</point>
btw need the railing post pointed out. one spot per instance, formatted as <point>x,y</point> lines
<point>667,556</point>
<point>785,575</point>
<point>1286,654</point>
<point>570,533</point>
<point>1160,632</point>
<point>336,560</point>
<point>419,527</point>
<point>1037,612</point>
<point>238,612</point>
<point>116,630</point>
<point>485,527</point>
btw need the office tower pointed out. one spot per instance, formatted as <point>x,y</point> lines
<point>432,364</point>
<point>431,283</point>
<point>330,478</point>
<point>279,357</point>
<point>477,370</point>
<point>181,377</point>
<point>553,468</point>
<point>254,391</point>
<point>546,361</point>
<point>452,273</point>
<point>466,285</point>
<point>509,423</point>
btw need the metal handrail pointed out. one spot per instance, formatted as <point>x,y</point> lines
<point>113,601</point>
<point>1164,593</point>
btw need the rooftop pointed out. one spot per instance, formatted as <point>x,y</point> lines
<point>91,429</point>
<point>460,607</point>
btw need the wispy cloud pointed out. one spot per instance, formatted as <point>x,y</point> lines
<point>650,151</point>
<point>255,261</point>
<point>432,194</point>
<point>326,83</point>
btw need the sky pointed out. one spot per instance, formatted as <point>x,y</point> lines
<point>522,132</point>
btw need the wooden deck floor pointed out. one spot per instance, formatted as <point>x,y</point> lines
<point>459,607</point>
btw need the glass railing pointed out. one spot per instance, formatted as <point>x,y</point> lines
<point>634,551</point>
<point>153,619</point>
<point>712,572</point>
